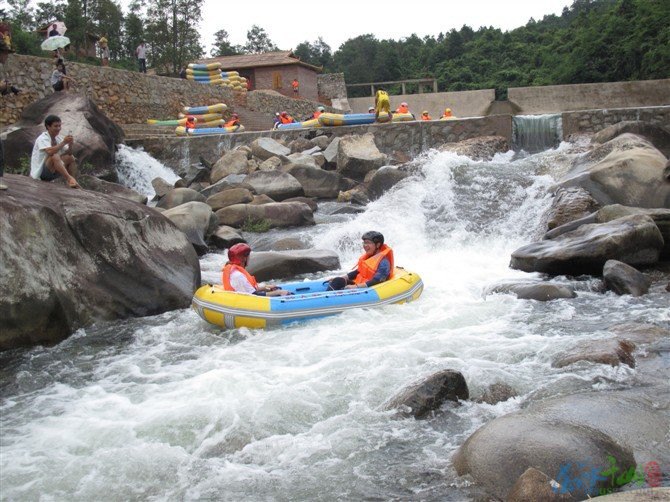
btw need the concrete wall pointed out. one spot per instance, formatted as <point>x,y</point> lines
<point>407,138</point>
<point>591,121</point>
<point>333,90</point>
<point>462,104</point>
<point>126,97</point>
<point>561,98</point>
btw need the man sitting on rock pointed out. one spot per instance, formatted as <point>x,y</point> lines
<point>52,154</point>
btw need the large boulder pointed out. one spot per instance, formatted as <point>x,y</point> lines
<point>196,220</point>
<point>299,159</point>
<point>384,179</point>
<point>95,135</point>
<point>658,136</point>
<point>559,435</point>
<point>624,279</point>
<point>234,162</point>
<point>318,183</point>
<point>264,148</point>
<point>634,239</point>
<point>224,237</point>
<point>229,197</point>
<point>275,184</point>
<point>570,204</point>
<point>539,290</point>
<point>630,173</point>
<point>480,148</point>
<point>357,155</point>
<point>267,265</point>
<point>272,214</point>
<point>88,182</point>
<point>73,257</point>
<point>178,196</point>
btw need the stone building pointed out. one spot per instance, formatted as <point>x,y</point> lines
<point>274,71</point>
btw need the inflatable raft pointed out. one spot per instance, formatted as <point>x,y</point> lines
<point>300,125</point>
<point>202,110</point>
<point>208,117</point>
<point>310,300</point>
<point>181,131</point>
<point>337,119</point>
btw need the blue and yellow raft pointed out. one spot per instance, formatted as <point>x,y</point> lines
<point>310,300</point>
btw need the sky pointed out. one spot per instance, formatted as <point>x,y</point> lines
<point>290,22</point>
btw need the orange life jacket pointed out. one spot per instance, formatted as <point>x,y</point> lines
<point>286,119</point>
<point>231,123</point>
<point>368,265</point>
<point>190,122</point>
<point>228,269</point>
<point>425,117</point>
<point>295,84</point>
<point>316,114</point>
<point>402,109</point>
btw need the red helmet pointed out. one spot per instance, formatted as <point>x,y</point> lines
<point>237,252</point>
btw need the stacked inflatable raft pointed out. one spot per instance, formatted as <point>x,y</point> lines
<point>209,120</point>
<point>213,75</point>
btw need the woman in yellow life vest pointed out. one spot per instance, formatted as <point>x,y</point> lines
<point>382,103</point>
<point>374,266</point>
<point>235,277</point>
<point>447,114</point>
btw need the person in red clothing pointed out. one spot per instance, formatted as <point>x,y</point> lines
<point>285,118</point>
<point>318,112</point>
<point>425,116</point>
<point>403,108</point>
<point>296,87</point>
<point>234,122</point>
<point>190,122</point>
<point>374,266</point>
<point>236,278</point>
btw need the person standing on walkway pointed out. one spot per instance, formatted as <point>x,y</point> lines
<point>141,53</point>
<point>296,87</point>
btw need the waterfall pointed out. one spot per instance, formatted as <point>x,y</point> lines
<point>535,133</point>
<point>136,169</point>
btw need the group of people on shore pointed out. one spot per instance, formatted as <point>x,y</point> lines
<point>374,266</point>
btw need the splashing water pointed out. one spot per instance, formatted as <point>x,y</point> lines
<point>136,169</point>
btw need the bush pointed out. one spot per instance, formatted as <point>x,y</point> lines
<point>258,226</point>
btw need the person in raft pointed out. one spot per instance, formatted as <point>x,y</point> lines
<point>190,122</point>
<point>374,266</point>
<point>425,115</point>
<point>285,118</point>
<point>52,154</point>
<point>318,112</point>
<point>371,109</point>
<point>234,122</point>
<point>382,103</point>
<point>236,278</point>
<point>403,108</point>
<point>447,114</point>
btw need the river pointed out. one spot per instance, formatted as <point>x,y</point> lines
<point>171,408</point>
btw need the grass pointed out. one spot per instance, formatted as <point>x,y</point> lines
<point>258,226</point>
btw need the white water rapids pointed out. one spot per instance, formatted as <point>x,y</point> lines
<point>171,408</point>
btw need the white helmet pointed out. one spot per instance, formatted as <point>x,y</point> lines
<point>403,104</point>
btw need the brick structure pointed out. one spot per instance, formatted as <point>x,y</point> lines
<point>274,71</point>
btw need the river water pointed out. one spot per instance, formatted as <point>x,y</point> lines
<point>171,408</point>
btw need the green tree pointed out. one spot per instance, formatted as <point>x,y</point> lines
<point>222,46</point>
<point>258,41</point>
<point>317,53</point>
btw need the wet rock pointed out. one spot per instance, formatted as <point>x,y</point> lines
<point>88,182</point>
<point>161,187</point>
<point>275,184</point>
<point>497,392</point>
<point>289,244</point>
<point>612,352</point>
<point>428,394</point>
<point>639,333</point>
<point>355,196</point>
<point>319,183</point>
<point>634,240</point>
<point>264,199</point>
<point>536,486</point>
<point>225,184</point>
<point>264,148</point>
<point>195,173</point>
<point>624,279</point>
<point>229,197</point>
<point>234,162</point>
<point>661,217</point>
<point>74,257</point>
<point>498,453</point>
<point>269,265</point>
<point>540,291</point>
<point>273,214</point>
<point>357,155</point>
<point>95,135</point>
<point>349,210</point>
<point>178,196</point>
<point>196,220</point>
<point>481,148</point>
<point>384,179</point>
<point>570,204</point>
<point>657,135</point>
<point>224,237</point>
<point>305,200</point>
<point>631,174</point>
